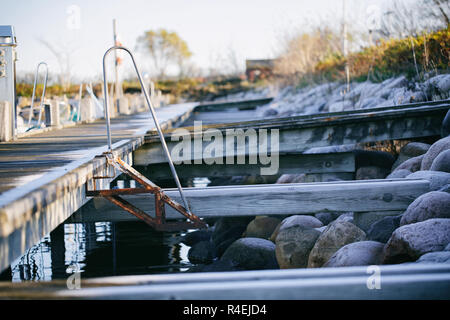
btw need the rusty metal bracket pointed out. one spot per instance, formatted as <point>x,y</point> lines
<point>159,221</point>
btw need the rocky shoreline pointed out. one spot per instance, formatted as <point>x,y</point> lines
<point>420,234</point>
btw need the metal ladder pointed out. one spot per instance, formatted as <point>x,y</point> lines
<point>113,195</point>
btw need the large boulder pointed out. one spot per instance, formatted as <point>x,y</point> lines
<point>293,246</point>
<point>435,257</point>
<point>411,150</point>
<point>430,205</point>
<point>261,227</point>
<point>398,174</point>
<point>364,220</point>
<point>362,253</point>
<point>433,152</point>
<point>335,236</point>
<point>252,254</point>
<point>202,252</point>
<point>437,179</point>
<point>409,242</point>
<point>297,220</point>
<point>442,162</point>
<point>412,164</point>
<point>382,230</point>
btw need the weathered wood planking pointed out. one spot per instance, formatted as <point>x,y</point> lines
<point>405,281</point>
<point>34,202</point>
<point>290,163</point>
<point>278,199</point>
<point>297,134</point>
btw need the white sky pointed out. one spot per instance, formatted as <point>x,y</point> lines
<point>251,27</point>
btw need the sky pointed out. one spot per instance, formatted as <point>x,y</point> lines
<point>252,29</point>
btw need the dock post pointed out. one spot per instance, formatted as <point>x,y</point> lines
<point>54,113</point>
<point>124,107</point>
<point>6,125</point>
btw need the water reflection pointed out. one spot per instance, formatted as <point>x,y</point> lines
<point>101,249</point>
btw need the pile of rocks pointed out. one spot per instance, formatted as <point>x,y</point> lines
<point>328,97</point>
<point>421,234</point>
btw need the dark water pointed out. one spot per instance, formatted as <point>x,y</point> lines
<point>101,249</point>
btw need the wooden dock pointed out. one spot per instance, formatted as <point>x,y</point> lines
<point>43,177</point>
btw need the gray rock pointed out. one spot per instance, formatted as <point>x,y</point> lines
<point>252,254</point>
<point>412,164</point>
<point>433,152</point>
<point>327,217</point>
<point>261,227</point>
<point>435,257</point>
<point>437,179</point>
<point>337,235</point>
<point>447,248</point>
<point>411,150</point>
<point>442,162</point>
<point>364,220</point>
<point>438,87</point>
<point>293,246</point>
<point>368,173</point>
<point>430,205</point>
<point>194,237</point>
<point>445,188</point>
<point>361,253</point>
<point>348,217</point>
<point>409,242</point>
<point>382,230</point>
<point>202,252</point>
<point>398,174</point>
<point>297,220</point>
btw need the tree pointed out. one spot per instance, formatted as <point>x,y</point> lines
<point>63,54</point>
<point>165,49</point>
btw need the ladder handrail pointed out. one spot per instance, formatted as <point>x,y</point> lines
<point>152,111</point>
<point>34,91</point>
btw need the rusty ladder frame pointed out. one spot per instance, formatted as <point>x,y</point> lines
<point>113,195</point>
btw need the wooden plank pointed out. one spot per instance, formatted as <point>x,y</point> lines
<point>290,163</point>
<point>302,133</point>
<point>405,281</point>
<point>278,199</point>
